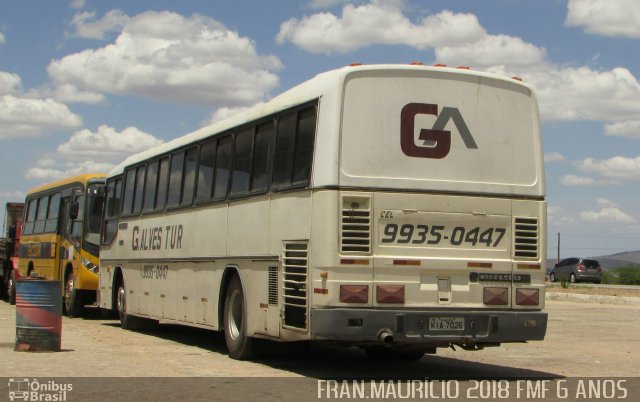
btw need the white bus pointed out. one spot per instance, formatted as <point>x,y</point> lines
<point>399,208</point>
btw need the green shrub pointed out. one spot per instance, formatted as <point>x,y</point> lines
<point>627,274</point>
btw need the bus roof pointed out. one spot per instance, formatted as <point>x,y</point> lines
<point>83,178</point>
<point>311,89</point>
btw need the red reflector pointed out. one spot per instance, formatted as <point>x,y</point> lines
<point>495,296</point>
<point>479,265</point>
<point>528,266</point>
<point>351,261</point>
<point>527,297</point>
<point>321,291</point>
<point>390,293</point>
<point>463,67</point>
<point>516,78</point>
<point>407,262</point>
<point>354,293</point>
<point>439,65</point>
<point>416,63</point>
<point>355,64</point>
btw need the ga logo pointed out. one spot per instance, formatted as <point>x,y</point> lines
<point>437,141</point>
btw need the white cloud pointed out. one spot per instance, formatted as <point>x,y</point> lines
<point>586,94</point>
<point>552,157</point>
<point>361,26</point>
<point>605,17</point>
<point>13,195</point>
<point>573,180</point>
<point>66,168</point>
<point>68,93</point>
<point>107,144</point>
<point>629,129</point>
<point>325,3</point>
<point>606,215</point>
<point>225,112</point>
<point>31,117</point>
<point>87,26</point>
<point>605,203</point>
<point>169,57</point>
<point>618,167</point>
<point>9,83</point>
<point>77,4</point>
<point>494,51</point>
<point>564,93</point>
<point>88,151</point>
<point>557,216</point>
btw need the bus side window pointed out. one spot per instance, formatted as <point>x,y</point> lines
<point>285,143</point>
<point>129,185</point>
<point>41,216</point>
<point>262,157</point>
<point>206,170</point>
<point>151,186</point>
<point>51,224</point>
<point>137,200</point>
<point>305,136</point>
<point>163,181</point>
<point>30,217</point>
<point>223,166</point>
<point>112,211</point>
<point>175,179</point>
<point>242,162</point>
<point>189,181</point>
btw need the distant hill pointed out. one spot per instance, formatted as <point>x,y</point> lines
<point>609,261</point>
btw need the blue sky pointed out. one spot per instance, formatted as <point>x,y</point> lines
<point>85,83</point>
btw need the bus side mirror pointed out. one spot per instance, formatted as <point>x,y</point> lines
<point>73,213</point>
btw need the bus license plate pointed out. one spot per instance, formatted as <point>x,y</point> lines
<point>446,324</point>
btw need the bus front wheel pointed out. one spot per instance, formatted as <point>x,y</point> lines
<point>128,321</point>
<point>73,304</point>
<point>235,322</point>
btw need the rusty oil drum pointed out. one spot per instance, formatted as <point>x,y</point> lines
<point>38,315</point>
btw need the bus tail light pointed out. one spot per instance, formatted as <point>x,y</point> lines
<point>527,297</point>
<point>390,293</point>
<point>496,296</point>
<point>354,293</point>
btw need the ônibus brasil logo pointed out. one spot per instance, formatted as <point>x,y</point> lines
<point>24,389</point>
<point>437,141</point>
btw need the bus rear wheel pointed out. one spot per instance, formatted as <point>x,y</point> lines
<point>73,303</point>
<point>240,345</point>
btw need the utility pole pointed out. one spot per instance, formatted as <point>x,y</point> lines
<point>558,246</point>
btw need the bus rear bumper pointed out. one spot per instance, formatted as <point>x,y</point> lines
<point>427,327</point>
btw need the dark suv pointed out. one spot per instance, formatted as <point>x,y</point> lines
<point>576,270</point>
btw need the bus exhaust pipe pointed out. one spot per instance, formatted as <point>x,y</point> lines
<point>386,336</point>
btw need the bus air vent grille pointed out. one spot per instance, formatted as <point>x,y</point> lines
<point>526,238</point>
<point>355,227</point>
<point>273,285</point>
<point>295,265</point>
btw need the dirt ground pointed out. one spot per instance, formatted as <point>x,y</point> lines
<point>585,342</point>
<point>591,290</point>
<point>583,339</point>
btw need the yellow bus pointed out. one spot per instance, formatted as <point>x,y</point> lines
<point>61,236</point>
